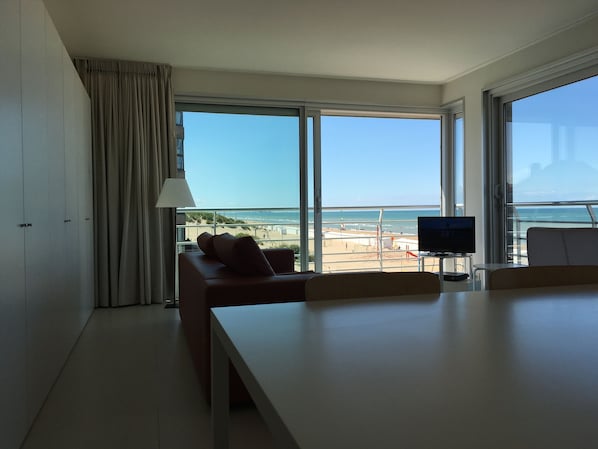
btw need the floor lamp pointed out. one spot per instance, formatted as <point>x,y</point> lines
<point>175,193</point>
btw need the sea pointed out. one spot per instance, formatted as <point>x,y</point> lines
<point>405,221</point>
<point>393,221</point>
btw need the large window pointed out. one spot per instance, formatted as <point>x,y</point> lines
<point>550,151</point>
<point>345,197</point>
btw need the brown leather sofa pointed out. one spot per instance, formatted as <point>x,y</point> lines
<point>205,282</point>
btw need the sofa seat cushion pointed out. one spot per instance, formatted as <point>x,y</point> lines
<point>243,290</point>
<point>242,255</point>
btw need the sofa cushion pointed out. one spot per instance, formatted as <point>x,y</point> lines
<point>282,260</point>
<point>205,241</point>
<point>582,245</point>
<point>242,254</point>
<point>545,246</point>
<point>562,246</point>
<point>212,268</point>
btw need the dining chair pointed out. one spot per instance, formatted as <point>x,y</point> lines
<point>370,284</point>
<point>543,276</point>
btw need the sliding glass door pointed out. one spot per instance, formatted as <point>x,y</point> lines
<point>243,168</point>
<point>378,173</point>
<point>550,150</point>
<point>342,189</point>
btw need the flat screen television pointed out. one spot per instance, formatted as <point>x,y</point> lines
<point>446,235</point>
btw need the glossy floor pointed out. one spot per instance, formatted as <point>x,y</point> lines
<point>129,383</point>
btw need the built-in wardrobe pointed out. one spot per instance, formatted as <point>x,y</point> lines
<point>46,221</point>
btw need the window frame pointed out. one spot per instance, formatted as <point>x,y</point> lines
<point>453,111</point>
<point>313,111</point>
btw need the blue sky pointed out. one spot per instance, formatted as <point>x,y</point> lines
<point>380,161</point>
<point>252,160</point>
<point>555,144</point>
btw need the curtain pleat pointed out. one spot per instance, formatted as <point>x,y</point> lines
<point>133,142</point>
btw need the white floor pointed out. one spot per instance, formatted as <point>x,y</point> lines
<point>129,383</point>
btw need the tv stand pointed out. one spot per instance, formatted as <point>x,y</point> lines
<point>444,275</point>
<point>443,254</point>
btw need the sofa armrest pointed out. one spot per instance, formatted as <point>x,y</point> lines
<point>206,283</point>
<point>282,260</point>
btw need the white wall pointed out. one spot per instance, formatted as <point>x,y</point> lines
<point>305,89</point>
<point>471,86</point>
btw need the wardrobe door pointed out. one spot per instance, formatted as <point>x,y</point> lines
<point>64,311</point>
<point>72,260</point>
<point>13,412</point>
<point>86,241</point>
<point>79,191</point>
<point>38,202</point>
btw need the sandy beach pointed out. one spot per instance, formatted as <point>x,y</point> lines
<point>342,250</point>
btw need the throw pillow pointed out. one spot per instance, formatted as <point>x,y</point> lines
<point>205,241</point>
<point>242,255</point>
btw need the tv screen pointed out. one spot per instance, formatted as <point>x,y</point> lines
<point>446,234</point>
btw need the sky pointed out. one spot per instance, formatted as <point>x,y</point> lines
<point>380,161</point>
<point>235,160</point>
<point>555,144</point>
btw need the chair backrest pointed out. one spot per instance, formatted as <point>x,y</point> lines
<point>543,276</point>
<point>370,284</point>
<point>562,246</point>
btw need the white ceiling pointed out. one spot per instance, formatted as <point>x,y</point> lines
<point>416,40</point>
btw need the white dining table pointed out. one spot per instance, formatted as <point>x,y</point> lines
<point>508,369</point>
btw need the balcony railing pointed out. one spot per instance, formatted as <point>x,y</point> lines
<point>352,238</point>
<point>370,238</point>
<point>522,216</point>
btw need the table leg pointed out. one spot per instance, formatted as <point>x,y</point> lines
<point>220,394</point>
<point>477,279</point>
<point>441,272</point>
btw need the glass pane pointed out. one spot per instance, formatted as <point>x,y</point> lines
<point>310,192</point>
<point>551,147</point>
<point>378,176</point>
<point>380,161</point>
<point>459,167</point>
<point>243,171</point>
<point>242,161</point>
<point>553,140</point>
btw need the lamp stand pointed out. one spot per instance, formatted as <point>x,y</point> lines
<point>175,193</point>
<point>174,304</point>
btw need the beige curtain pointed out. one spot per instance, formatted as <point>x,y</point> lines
<point>133,143</point>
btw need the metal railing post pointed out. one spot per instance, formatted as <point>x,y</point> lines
<point>591,214</point>
<point>380,240</point>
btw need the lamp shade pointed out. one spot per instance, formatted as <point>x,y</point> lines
<point>175,193</point>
